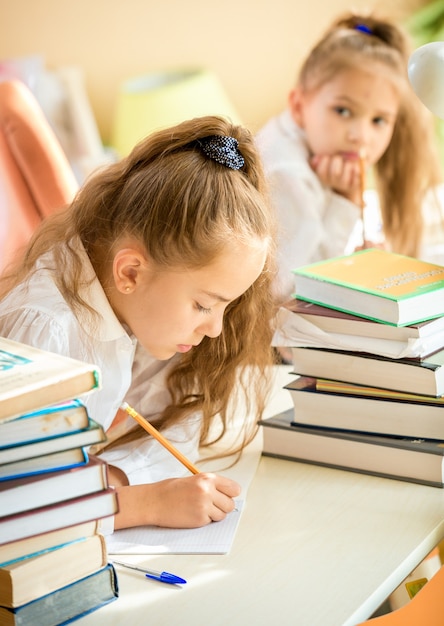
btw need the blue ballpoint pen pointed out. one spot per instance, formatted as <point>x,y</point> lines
<point>163,577</point>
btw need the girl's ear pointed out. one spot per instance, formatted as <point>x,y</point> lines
<point>296,105</point>
<point>128,265</point>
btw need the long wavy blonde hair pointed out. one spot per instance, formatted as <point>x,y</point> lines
<point>409,169</point>
<point>184,207</point>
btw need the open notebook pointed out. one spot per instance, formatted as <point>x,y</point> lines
<point>215,538</point>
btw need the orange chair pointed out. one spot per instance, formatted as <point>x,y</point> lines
<point>426,608</point>
<point>36,178</point>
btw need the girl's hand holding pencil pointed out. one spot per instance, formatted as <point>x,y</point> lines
<point>185,502</point>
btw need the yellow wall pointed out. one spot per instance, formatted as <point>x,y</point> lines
<point>254,46</point>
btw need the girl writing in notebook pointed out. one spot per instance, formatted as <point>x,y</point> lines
<point>159,273</point>
<point>351,112</point>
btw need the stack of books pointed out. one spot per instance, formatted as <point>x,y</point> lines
<point>53,559</point>
<point>366,333</point>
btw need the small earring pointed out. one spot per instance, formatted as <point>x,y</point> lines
<point>127,289</point>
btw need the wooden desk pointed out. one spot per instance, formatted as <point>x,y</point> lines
<point>315,547</point>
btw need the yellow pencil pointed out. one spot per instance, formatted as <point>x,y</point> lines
<point>160,438</point>
<point>362,156</point>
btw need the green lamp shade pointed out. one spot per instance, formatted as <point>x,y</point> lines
<point>155,101</point>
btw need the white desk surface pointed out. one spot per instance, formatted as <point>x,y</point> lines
<point>315,547</point>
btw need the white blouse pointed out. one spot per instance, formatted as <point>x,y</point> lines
<point>36,313</point>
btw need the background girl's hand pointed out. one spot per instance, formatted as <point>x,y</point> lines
<point>371,244</point>
<point>340,173</point>
<point>177,502</point>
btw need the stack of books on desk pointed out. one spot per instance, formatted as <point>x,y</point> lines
<point>53,559</point>
<point>367,340</point>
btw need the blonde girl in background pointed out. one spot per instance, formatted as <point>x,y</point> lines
<point>352,98</point>
<point>159,273</point>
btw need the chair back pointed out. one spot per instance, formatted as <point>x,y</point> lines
<point>36,178</point>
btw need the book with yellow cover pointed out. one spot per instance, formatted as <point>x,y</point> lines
<point>375,284</point>
<point>336,386</point>
<point>27,578</point>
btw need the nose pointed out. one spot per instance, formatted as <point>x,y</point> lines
<point>212,327</point>
<point>358,131</point>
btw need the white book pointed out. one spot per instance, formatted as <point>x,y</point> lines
<point>31,379</point>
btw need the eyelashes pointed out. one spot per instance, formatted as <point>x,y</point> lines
<point>202,309</point>
<point>342,111</point>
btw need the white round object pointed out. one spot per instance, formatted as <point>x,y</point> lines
<point>426,76</point>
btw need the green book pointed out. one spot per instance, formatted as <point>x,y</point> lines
<point>375,284</point>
